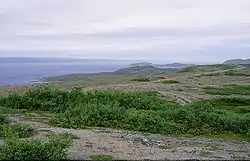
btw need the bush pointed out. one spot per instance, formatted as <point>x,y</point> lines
<point>149,121</point>
<point>170,81</point>
<point>53,149</point>
<point>101,157</point>
<point>233,73</point>
<point>233,89</point>
<point>141,79</point>
<point>3,115</point>
<point>2,118</point>
<point>137,111</point>
<point>15,131</point>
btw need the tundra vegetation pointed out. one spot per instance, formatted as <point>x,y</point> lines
<point>223,111</point>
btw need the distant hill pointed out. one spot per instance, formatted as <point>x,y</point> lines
<point>237,61</point>
<point>145,69</point>
<point>242,69</point>
<point>175,65</point>
<point>141,64</point>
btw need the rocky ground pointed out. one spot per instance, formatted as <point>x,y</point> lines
<point>122,144</point>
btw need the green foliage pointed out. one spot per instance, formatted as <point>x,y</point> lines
<point>141,79</point>
<point>2,118</point>
<point>101,157</point>
<point>169,81</point>
<point>234,73</point>
<point>137,111</point>
<point>15,131</point>
<point>53,149</point>
<point>210,74</point>
<point>3,115</point>
<point>233,89</point>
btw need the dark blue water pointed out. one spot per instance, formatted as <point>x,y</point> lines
<point>25,73</point>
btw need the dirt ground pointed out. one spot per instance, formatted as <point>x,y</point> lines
<point>127,145</point>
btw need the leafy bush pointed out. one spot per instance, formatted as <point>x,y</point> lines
<point>210,74</point>
<point>2,118</point>
<point>233,73</point>
<point>101,157</point>
<point>170,81</point>
<point>233,89</point>
<point>137,111</point>
<point>15,131</point>
<point>3,115</point>
<point>141,79</point>
<point>53,149</point>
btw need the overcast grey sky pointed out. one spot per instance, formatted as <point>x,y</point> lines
<point>171,30</point>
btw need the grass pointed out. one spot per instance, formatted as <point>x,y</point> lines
<point>169,81</point>
<point>137,111</point>
<point>230,90</point>
<point>145,79</point>
<point>101,157</point>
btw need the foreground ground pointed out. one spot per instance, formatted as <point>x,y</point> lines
<point>121,144</point>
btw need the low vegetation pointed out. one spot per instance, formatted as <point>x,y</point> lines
<point>13,147</point>
<point>235,73</point>
<point>15,131</point>
<point>145,79</point>
<point>101,157</point>
<point>53,149</point>
<point>229,90</point>
<point>137,111</point>
<point>170,81</point>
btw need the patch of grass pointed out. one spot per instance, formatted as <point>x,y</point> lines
<point>53,149</point>
<point>170,81</point>
<point>101,157</point>
<point>230,90</point>
<point>144,112</point>
<point>145,79</point>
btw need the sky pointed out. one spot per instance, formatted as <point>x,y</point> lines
<point>157,30</point>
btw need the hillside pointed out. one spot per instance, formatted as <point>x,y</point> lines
<point>174,65</point>
<point>237,61</point>
<point>147,69</point>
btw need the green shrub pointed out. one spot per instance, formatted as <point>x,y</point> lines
<point>15,131</point>
<point>3,115</point>
<point>233,89</point>
<point>140,111</point>
<point>53,149</point>
<point>101,157</point>
<point>209,74</point>
<point>149,121</point>
<point>170,81</point>
<point>233,73</point>
<point>2,119</point>
<point>141,79</point>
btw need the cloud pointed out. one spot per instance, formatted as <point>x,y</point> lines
<point>126,28</point>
